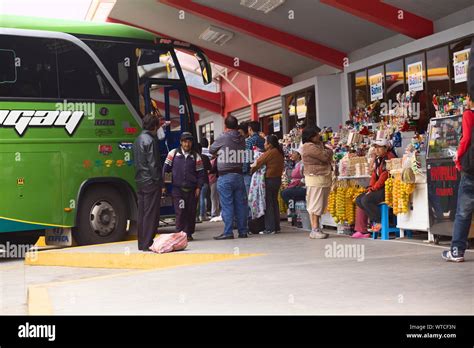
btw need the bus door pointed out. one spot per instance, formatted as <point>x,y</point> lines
<point>169,99</point>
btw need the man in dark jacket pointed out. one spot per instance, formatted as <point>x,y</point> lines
<point>187,178</point>
<point>230,149</point>
<point>149,181</point>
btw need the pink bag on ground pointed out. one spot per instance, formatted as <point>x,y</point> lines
<point>166,243</point>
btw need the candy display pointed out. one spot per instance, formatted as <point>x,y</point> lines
<point>447,104</point>
<point>341,204</point>
<point>397,195</point>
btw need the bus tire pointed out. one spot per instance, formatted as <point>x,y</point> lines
<point>102,217</point>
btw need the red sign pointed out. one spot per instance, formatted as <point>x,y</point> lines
<point>444,192</point>
<point>105,149</point>
<point>443,173</point>
<point>131,130</point>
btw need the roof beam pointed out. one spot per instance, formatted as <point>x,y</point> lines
<point>214,97</point>
<point>386,15</point>
<point>227,61</point>
<point>293,43</point>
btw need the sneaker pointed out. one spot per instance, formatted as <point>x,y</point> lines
<point>267,232</point>
<point>357,235</point>
<point>318,234</point>
<point>448,256</point>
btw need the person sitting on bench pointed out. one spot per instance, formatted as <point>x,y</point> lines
<point>370,200</point>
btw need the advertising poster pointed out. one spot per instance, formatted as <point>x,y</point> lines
<point>276,123</point>
<point>301,107</point>
<point>460,64</point>
<point>376,87</point>
<point>415,77</point>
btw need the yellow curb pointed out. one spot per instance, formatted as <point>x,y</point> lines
<point>125,261</point>
<point>42,240</point>
<point>38,301</point>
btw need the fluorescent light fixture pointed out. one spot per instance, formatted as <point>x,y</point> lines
<point>262,5</point>
<point>216,35</point>
<point>64,9</point>
<point>99,10</point>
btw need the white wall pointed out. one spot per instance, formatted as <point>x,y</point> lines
<point>328,101</point>
<point>206,117</point>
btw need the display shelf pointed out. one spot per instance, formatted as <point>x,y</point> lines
<point>353,177</point>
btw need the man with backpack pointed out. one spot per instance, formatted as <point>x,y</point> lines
<point>464,160</point>
<point>148,178</point>
<point>185,167</point>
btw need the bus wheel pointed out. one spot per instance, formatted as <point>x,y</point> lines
<point>101,217</point>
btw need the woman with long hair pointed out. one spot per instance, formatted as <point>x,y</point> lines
<point>317,161</point>
<point>274,160</point>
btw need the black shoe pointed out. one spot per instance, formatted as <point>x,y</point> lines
<point>190,238</point>
<point>243,236</point>
<point>223,236</point>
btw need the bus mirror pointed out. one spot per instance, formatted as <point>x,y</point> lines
<point>7,66</point>
<point>205,66</point>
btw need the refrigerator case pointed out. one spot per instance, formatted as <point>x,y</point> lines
<point>443,177</point>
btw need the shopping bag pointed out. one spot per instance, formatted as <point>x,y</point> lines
<point>166,243</point>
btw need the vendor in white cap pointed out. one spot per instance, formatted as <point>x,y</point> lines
<point>370,200</point>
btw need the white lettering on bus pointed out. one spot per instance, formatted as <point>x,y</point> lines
<point>22,119</point>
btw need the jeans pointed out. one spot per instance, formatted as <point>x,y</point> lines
<point>247,181</point>
<point>369,203</point>
<point>202,200</point>
<point>233,199</point>
<point>272,209</point>
<point>215,208</point>
<point>463,219</point>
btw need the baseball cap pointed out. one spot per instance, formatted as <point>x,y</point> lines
<point>381,142</point>
<point>186,136</point>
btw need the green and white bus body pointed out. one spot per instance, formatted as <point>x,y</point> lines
<point>72,96</point>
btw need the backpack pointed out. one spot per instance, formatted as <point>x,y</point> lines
<point>467,160</point>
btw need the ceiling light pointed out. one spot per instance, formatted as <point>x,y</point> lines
<point>100,10</point>
<point>262,5</point>
<point>216,35</point>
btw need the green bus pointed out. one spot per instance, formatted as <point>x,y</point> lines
<point>72,97</point>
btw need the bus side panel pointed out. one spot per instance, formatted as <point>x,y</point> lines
<point>59,163</point>
<point>31,189</point>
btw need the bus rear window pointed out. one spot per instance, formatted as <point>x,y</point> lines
<point>7,66</point>
<point>35,68</point>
